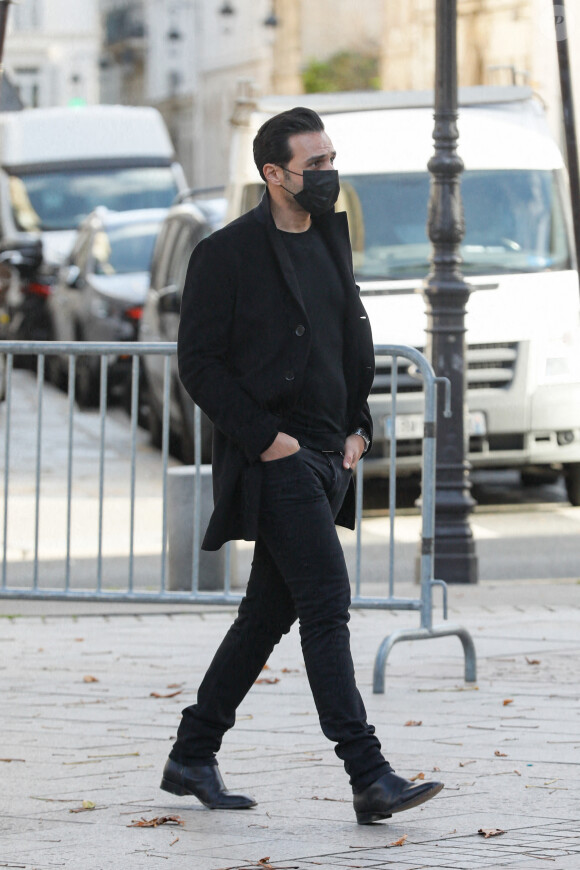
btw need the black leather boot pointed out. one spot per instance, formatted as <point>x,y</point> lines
<point>391,794</point>
<point>205,783</point>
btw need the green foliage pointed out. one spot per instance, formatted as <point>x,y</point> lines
<point>345,71</point>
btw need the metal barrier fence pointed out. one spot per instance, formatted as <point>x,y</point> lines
<point>134,591</point>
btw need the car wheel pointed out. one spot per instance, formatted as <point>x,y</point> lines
<point>87,391</point>
<point>572,479</point>
<point>2,377</point>
<point>56,372</point>
<point>154,424</point>
<point>143,400</point>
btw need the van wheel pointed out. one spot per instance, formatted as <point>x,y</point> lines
<point>539,478</point>
<point>572,479</point>
<point>87,391</point>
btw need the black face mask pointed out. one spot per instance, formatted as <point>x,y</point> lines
<point>320,190</point>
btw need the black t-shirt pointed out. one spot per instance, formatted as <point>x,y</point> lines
<point>319,417</point>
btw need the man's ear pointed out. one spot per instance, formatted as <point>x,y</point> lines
<point>272,173</point>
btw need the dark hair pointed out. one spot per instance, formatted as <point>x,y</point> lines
<point>271,142</point>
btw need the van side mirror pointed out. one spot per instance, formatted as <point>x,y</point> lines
<point>12,258</point>
<point>169,300</point>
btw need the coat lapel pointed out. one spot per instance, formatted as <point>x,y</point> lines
<point>264,215</point>
<point>334,229</point>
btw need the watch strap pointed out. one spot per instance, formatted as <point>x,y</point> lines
<point>365,437</point>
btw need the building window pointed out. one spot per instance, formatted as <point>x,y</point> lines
<point>123,24</point>
<point>28,15</point>
<point>27,82</point>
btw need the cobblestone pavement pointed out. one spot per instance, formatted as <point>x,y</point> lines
<point>90,697</point>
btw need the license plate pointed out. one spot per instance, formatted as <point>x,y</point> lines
<point>410,426</point>
<point>407,427</point>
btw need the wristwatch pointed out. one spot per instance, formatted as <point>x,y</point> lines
<point>365,437</point>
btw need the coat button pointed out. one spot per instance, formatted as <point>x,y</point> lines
<point>300,330</point>
<point>289,375</point>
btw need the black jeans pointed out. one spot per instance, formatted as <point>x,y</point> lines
<point>298,571</point>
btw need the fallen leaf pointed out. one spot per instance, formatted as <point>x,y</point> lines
<point>269,680</point>
<point>436,768</point>
<point>175,685</point>
<point>8,760</point>
<point>400,842</point>
<point>79,639</point>
<point>508,701</point>
<point>417,776</point>
<point>532,661</point>
<point>490,832</point>
<point>115,755</point>
<point>154,823</point>
<point>266,668</point>
<point>89,679</point>
<point>517,772</point>
<point>173,842</point>
<point>168,695</point>
<point>412,723</point>
<point>500,754</point>
<point>465,763</point>
<point>85,807</point>
<point>336,800</point>
<point>290,670</point>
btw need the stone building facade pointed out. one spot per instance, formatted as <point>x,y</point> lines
<point>498,42</point>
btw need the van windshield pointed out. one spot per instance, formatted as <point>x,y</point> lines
<point>514,222</point>
<point>61,200</point>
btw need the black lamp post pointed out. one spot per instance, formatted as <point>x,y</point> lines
<point>446,294</point>
<point>565,73</point>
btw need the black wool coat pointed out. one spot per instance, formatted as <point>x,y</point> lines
<point>243,346</point>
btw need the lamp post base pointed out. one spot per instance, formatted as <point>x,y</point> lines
<point>456,561</point>
<point>455,557</point>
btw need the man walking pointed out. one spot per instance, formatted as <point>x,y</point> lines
<point>275,346</point>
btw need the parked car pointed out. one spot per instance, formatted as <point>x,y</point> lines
<point>186,224</point>
<point>56,166</point>
<point>100,292</point>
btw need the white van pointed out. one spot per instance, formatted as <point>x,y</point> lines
<point>523,320</point>
<point>56,166</point>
